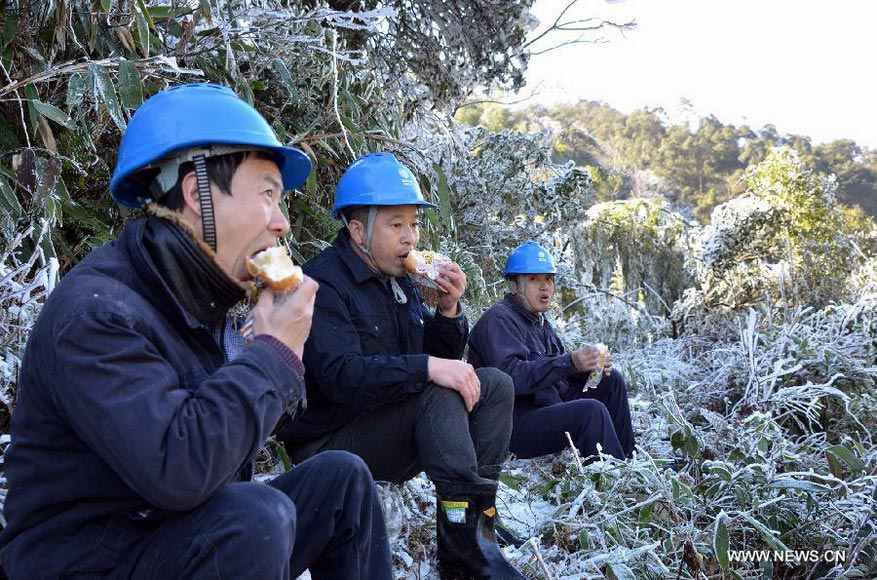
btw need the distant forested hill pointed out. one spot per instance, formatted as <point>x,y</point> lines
<point>644,152</point>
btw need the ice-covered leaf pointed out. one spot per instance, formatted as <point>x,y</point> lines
<point>55,114</point>
<point>130,91</point>
<point>721,542</point>
<point>106,91</point>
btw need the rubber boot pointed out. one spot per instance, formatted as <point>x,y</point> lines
<point>504,535</point>
<point>467,548</point>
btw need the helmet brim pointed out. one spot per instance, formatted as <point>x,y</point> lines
<point>294,165</point>
<point>369,201</point>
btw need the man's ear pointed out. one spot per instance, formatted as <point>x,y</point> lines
<point>357,231</point>
<point>189,187</point>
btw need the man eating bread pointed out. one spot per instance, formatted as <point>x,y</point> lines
<point>140,410</point>
<point>385,377</point>
<point>559,396</point>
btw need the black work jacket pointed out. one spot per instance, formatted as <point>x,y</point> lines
<point>365,348</point>
<point>524,344</point>
<point>127,408</point>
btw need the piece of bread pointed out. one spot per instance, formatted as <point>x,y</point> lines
<point>425,263</point>
<point>602,354</point>
<point>425,266</point>
<point>596,374</point>
<point>274,268</point>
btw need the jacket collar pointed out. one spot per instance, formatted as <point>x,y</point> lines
<point>179,274</point>
<point>532,317</point>
<point>357,266</point>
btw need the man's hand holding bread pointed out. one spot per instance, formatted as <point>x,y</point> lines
<point>436,270</point>
<point>285,307</point>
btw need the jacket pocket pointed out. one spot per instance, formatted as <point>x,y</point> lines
<point>374,336</point>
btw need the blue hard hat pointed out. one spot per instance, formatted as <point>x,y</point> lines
<point>529,258</point>
<point>193,116</point>
<point>377,179</point>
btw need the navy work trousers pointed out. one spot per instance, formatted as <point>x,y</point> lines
<point>432,432</point>
<point>322,515</point>
<point>600,415</point>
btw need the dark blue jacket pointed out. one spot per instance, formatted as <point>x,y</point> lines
<point>126,407</point>
<point>365,349</point>
<point>523,344</point>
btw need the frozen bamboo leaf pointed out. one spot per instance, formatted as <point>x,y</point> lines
<point>769,536</point>
<point>160,12</point>
<point>140,18</point>
<point>242,86</point>
<point>848,456</point>
<point>146,14</point>
<point>721,542</point>
<point>808,486</point>
<point>37,57</point>
<point>130,91</point>
<point>621,571</point>
<point>284,75</point>
<point>77,85</point>
<point>510,481</point>
<point>10,202</point>
<point>834,465</point>
<point>443,191</point>
<point>45,239</point>
<point>32,112</point>
<point>55,114</point>
<point>10,27</point>
<point>103,85</point>
<point>349,124</point>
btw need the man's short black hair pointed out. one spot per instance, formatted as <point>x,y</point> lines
<point>220,170</point>
<point>356,212</point>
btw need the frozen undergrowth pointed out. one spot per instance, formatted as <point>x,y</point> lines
<point>762,441</point>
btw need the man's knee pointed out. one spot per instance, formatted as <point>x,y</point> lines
<point>587,410</point>
<point>263,514</point>
<point>496,384</point>
<point>334,463</point>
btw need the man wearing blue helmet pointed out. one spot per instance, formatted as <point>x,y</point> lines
<point>385,379</point>
<point>140,410</point>
<point>550,394</point>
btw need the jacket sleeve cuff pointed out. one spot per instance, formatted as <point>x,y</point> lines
<point>418,366</point>
<point>284,351</point>
<point>459,313</point>
<point>567,365</point>
<point>458,320</point>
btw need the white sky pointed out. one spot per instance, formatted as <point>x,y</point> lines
<point>809,67</point>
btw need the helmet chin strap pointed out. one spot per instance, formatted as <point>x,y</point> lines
<point>369,232</point>
<point>520,291</point>
<point>205,199</point>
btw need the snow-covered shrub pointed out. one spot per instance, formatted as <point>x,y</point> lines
<point>26,278</point>
<point>786,242</point>
<point>631,262</point>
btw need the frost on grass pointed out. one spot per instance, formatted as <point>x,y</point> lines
<point>765,436</point>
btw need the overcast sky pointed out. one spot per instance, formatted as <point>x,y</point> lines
<point>807,66</point>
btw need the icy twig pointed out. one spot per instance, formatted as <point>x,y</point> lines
<point>539,559</point>
<point>575,453</point>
